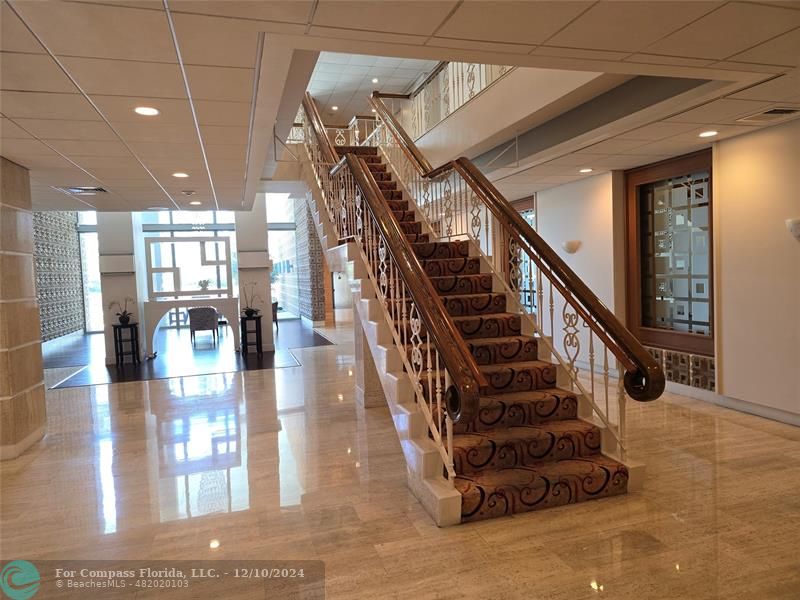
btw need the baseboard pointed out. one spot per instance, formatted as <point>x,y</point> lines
<point>766,412</point>
<point>313,323</point>
<point>10,451</point>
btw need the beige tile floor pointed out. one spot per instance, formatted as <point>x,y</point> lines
<point>281,464</point>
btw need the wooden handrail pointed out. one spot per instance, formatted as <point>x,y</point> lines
<point>644,379</point>
<point>328,150</point>
<point>462,398</point>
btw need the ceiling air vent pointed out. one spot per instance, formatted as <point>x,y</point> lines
<point>81,190</point>
<point>779,113</point>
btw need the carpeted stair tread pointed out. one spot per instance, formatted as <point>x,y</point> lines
<point>491,494</point>
<point>461,305</point>
<point>521,445</point>
<point>439,250</point>
<point>519,376</point>
<point>358,150</point>
<point>519,408</point>
<point>503,349</point>
<point>522,408</point>
<point>439,267</point>
<point>490,325</point>
<point>451,285</point>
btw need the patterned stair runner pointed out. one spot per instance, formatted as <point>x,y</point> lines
<point>527,449</point>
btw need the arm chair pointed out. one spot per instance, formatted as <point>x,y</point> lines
<point>204,318</point>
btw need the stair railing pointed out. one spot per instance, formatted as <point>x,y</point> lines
<point>444,375</point>
<point>581,333</point>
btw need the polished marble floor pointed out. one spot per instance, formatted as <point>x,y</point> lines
<point>177,356</point>
<point>281,464</point>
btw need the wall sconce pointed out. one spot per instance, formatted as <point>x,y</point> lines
<point>793,225</point>
<point>571,246</point>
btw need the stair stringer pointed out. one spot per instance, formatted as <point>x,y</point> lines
<point>424,466</point>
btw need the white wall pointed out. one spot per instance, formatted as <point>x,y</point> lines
<point>584,210</point>
<point>491,118</point>
<point>757,294</point>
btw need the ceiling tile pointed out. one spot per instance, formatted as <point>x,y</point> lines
<point>55,129</point>
<point>657,59</point>
<point>628,26</point>
<point>32,72</point>
<point>216,134</point>
<point>10,130</point>
<point>100,31</point>
<point>216,41</point>
<point>77,148</point>
<point>719,111</point>
<point>152,131</point>
<point>23,147</point>
<point>612,146</point>
<point>126,77</point>
<point>727,31</point>
<point>515,22</point>
<point>364,34</point>
<point>120,109</point>
<point>14,36</point>
<point>210,112</point>
<point>412,17</point>
<point>783,88</point>
<point>70,107</point>
<point>292,11</point>
<point>783,50</point>
<point>220,83</point>
<point>166,150</point>
<point>236,152</point>
<point>656,131</point>
<point>578,53</point>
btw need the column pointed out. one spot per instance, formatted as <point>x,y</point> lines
<point>255,266</point>
<point>118,280</point>
<point>23,415</point>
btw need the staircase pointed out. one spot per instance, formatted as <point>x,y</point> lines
<point>526,449</point>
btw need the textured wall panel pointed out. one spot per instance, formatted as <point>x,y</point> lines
<point>310,265</point>
<point>59,284</point>
<point>688,369</point>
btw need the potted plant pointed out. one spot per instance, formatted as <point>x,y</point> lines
<point>250,298</point>
<point>124,315</point>
<point>204,283</point>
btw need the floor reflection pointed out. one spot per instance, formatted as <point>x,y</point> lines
<point>201,441</point>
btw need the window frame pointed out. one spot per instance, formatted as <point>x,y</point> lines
<point>634,178</point>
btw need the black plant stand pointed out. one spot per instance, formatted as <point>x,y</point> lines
<point>246,343</point>
<point>120,341</point>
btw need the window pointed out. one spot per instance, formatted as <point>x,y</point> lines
<point>282,242</point>
<point>669,254</point>
<point>177,224</point>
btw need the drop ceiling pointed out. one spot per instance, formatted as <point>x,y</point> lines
<point>346,81</point>
<point>72,72</point>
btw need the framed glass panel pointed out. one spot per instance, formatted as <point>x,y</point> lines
<point>670,267</point>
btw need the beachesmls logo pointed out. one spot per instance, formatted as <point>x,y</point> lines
<point>19,580</point>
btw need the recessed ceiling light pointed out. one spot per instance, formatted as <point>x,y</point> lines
<point>711,133</point>
<point>213,544</point>
<point>374,80</point>
<point>587,170</point>
<point>180,175</point>
<point>147,111</point>
<point>373,110</point>
<point>195,203</point>
<point>334,108</point>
